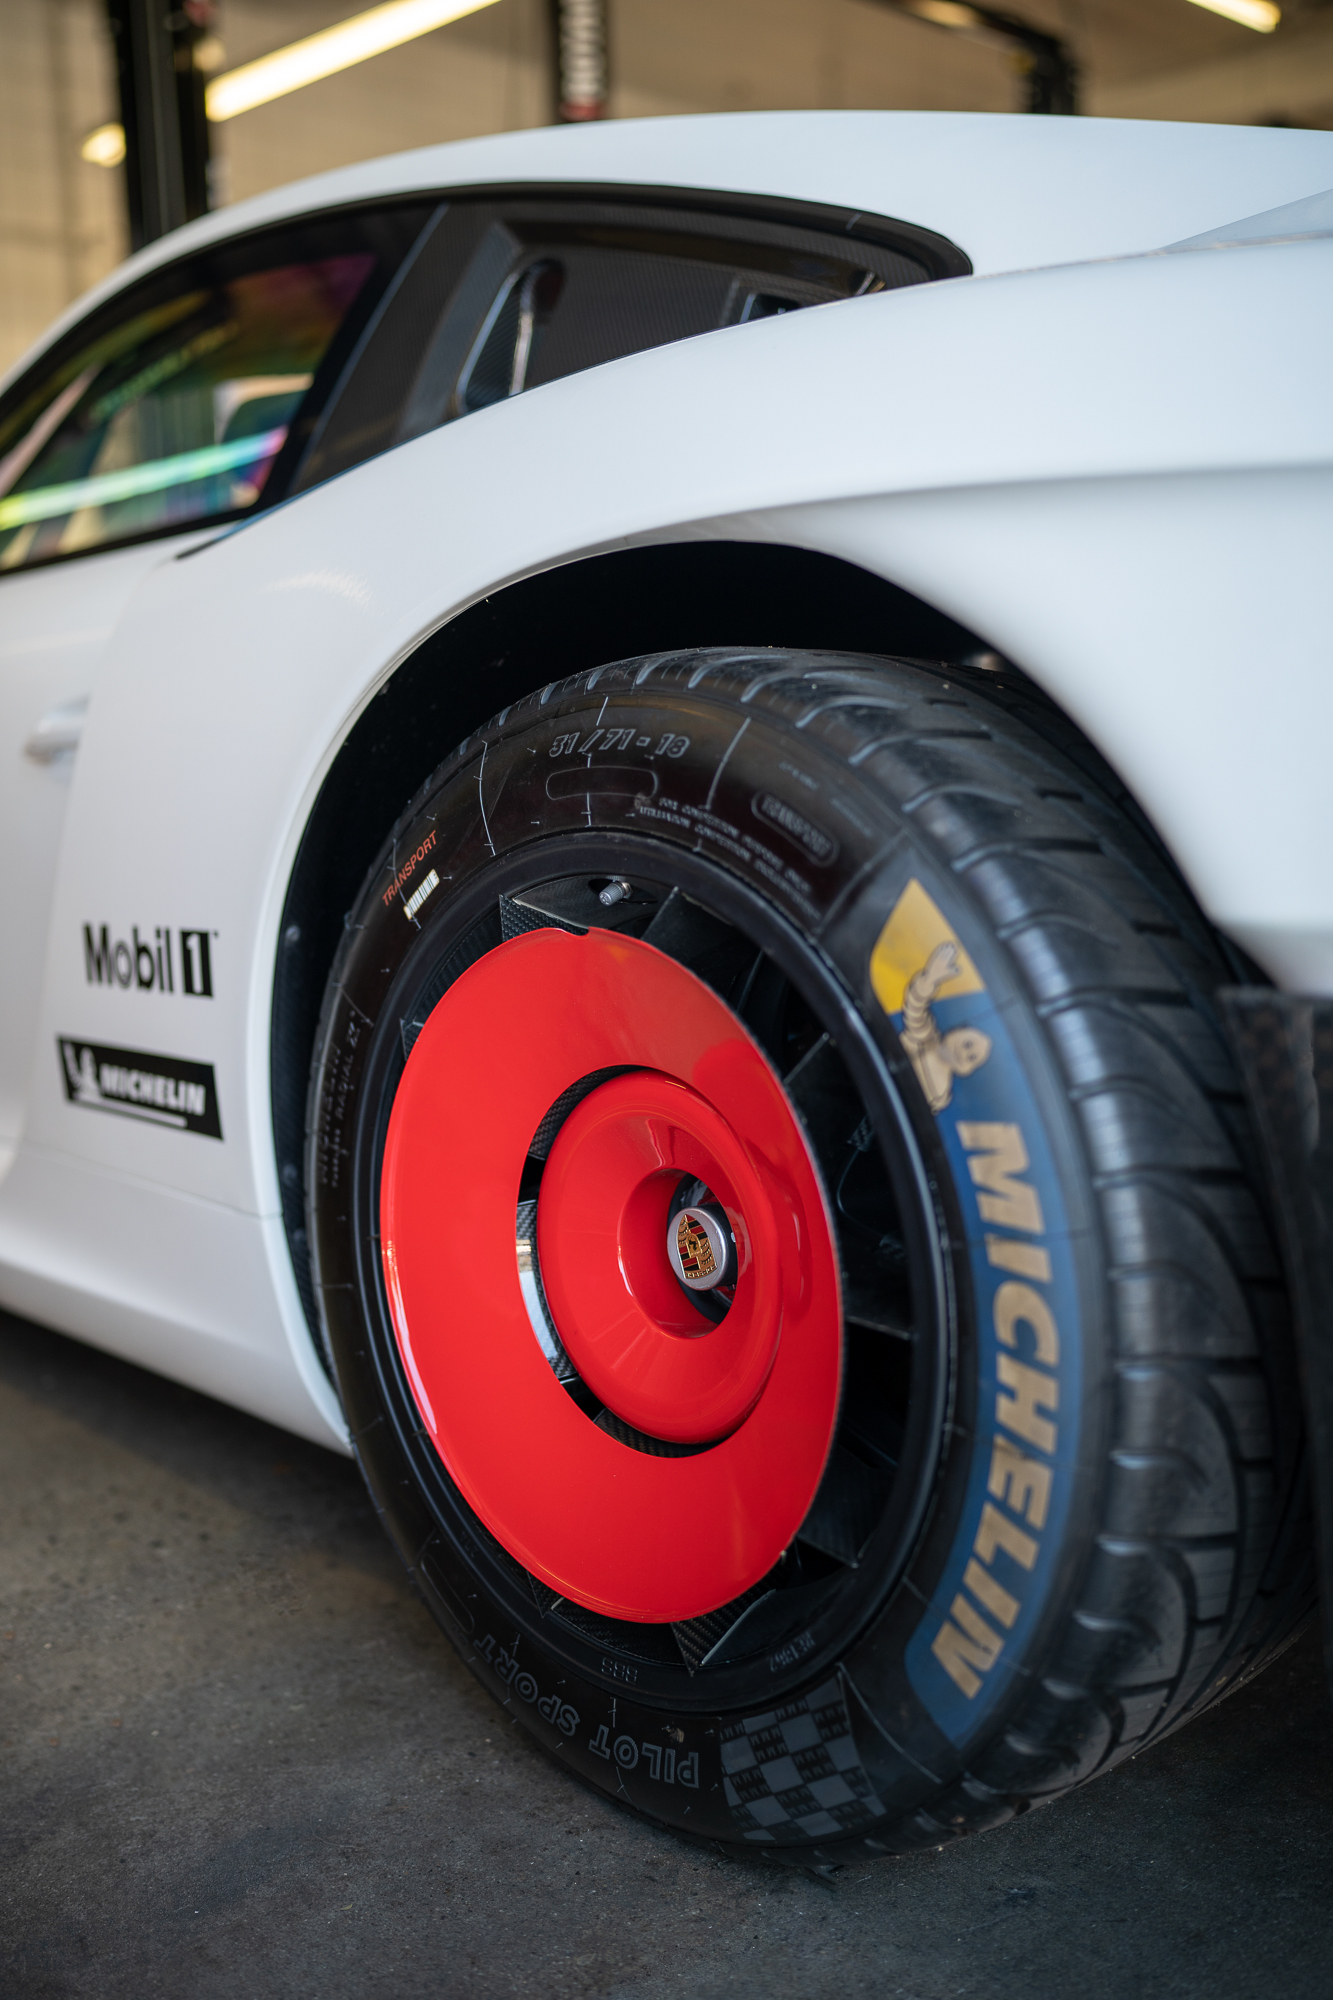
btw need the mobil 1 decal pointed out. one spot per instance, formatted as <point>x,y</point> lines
<point>159,960</point>
<point>133,1083</point>
<point>1028,1389</point>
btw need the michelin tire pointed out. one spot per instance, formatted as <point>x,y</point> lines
<point>1001,1476</point>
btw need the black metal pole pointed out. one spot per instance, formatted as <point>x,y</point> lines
<point>192,24</point>
<point>162,112</point>
<point>1045,62</point>
<point>581,85</point>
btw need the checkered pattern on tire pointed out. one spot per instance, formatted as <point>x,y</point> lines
<point>795,1774</point>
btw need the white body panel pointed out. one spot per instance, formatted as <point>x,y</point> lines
<point>1093,467</point>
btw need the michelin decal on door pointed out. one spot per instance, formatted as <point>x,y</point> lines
<point>135,1083</point>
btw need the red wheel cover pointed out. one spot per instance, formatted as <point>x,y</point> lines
<point>623,1532</point>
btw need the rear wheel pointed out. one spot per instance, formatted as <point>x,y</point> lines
<point>782,1234</point>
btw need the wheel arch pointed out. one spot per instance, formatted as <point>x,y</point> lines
<point>561,621</point>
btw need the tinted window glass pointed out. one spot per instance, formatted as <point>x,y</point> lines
<point>191,395</point>
<point>177,415</point>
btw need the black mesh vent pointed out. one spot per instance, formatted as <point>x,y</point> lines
<point>511,288</point>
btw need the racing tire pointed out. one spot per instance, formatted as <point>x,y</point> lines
<point>784,1232</point>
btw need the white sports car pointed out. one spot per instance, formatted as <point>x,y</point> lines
<point>634,759</point>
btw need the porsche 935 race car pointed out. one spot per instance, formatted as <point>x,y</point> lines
<point>643,768</point>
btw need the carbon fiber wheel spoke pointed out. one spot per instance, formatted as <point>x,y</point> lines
<point>846,1507</point>
<point>700,1638</point>
<point>874,1264</point>
<point>714,951</point>
<point>876,1307</point>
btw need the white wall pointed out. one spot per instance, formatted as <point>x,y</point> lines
<point>61,221</point>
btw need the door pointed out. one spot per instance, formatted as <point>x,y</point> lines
<point>187,402</point>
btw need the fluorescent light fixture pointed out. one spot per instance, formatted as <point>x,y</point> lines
<point>332,49</point>
<point>945,13</point>
<point>1261,15</point>
<point>324,54</point>
<point>105,147</point>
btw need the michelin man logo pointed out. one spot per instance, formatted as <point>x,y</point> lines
<point>938,1058</point>
<point>83,1076</point>
<point>917,963</point>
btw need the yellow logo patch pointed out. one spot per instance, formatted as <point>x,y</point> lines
<point>917,960</point>
<point>917,928</point>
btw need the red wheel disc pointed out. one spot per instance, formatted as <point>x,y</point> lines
<point>624,1532</point>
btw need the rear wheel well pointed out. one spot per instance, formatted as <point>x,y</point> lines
<point>564,621</point>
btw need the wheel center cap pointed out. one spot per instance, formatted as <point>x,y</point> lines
<point>697,1249</point>
<point>608,1205</point>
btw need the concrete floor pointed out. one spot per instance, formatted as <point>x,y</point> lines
<point>239,1760</point>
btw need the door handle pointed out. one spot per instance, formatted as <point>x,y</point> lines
<point>58,732</point>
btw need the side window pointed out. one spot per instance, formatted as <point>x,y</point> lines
<point>193,396</point>
<point>507,291</point>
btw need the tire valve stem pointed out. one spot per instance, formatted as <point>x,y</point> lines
<point>614,892</point>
